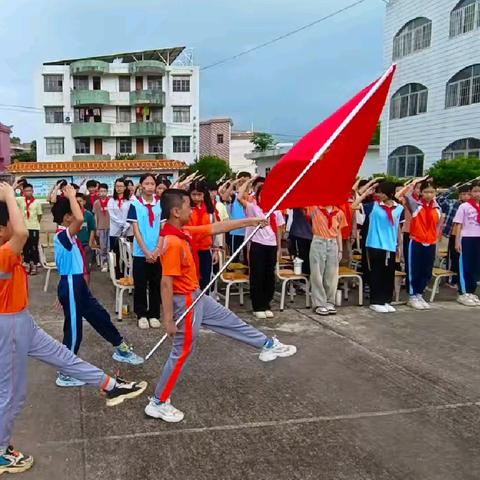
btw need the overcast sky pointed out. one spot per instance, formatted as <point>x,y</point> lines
<point>285,88</point>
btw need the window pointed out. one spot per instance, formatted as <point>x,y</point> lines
<point>88,114</point>
<point>464,87</point>
<point>124,145</point>
<point>53,114</point>
<point>181,84</point>
<point>414,36</point>
<point>123,84</point>
<point>154,83</point>
<point>52,83</point>
<point>97,83</point>
<point>82,145</point>
<point>181,114</point>
<point>124,114</point>
<point>156,114</point>
<point>155,145</point>
<point>55,146</point>
<point>465,17</point>
<point>80,83</point>
<point>466,147</point>
<point>181,144</point>
<point>408,101</point>
<point>406,161</point>
<point>219,137</point>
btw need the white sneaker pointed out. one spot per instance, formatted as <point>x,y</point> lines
<point>322,311</point>
<point>389,308</point>
<point>166,411</point>
<point>379,308</point>
<point>143,323</point>
<point>278,349</point>
<point>331,309</point>
<point>260,315</point>
<point>269,314</point>
<point>474,298</point>
<point>466,300</point>
<point>154,323</point>
<point>104,269</point>
<point>415,303</point>
<point>426,305</point>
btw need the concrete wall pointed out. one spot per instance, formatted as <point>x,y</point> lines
<point>433,131</point>
<point>209,141</point>
<point>4,146</point>
<point>238,148</point>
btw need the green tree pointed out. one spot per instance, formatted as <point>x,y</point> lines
<point>211,167</point>
<point>376,136</point>
<point>15,140</point>
<point>262,141</point>
<point>448,172</point>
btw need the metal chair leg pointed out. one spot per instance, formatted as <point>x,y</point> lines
<point>360,290</point>
<point>240,287</point>
<point>120,306</point>
<point>227,295</point>
<point>47,279</point>
<point>284,292</point>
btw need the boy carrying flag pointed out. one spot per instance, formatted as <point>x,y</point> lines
<point>21,337</point>
<point>180,288</point>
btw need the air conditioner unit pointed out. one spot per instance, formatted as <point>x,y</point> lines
<point>68,120</point>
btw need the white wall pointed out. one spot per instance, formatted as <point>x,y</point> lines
<point>371,163</point>
<point>238,149</point>
<point>431,132</point>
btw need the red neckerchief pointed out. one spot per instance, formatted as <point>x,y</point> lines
<point>330,215</point>
<point>28,202</point>
<point>79,245</point>
<point>429,209</point>
<point>389,211</point>
<point>476,206</point>
<point>103,204</point>
<point>151,214</point>
<point>169,229</point>
<point>120,201</point>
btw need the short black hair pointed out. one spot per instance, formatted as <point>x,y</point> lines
<point>92,183</point>
<point>160,180</point>
<point>80,195</point>
<point>144,176</point>
<point>387,188</point>
<point>61,208</point>
<point>27,185</point>
<point>465,189</point>
<point>75,186</point>
<point>212,186</point>
<point>257,181</point>
<point>172,198</point>
<point>362,182</point>
<point>244,175</point>
<point>4,215</point>
<point>426,184</point>
<point>103,185</point>
<point>474,184</point>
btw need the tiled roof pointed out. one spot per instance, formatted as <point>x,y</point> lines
<point>96,166</point>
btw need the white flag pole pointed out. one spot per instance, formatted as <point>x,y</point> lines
<point>312,162</point>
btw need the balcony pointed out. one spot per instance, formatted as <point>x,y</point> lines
<point>87,157</point>
<point>147,129</point>
<point>147,66</point>
<point>90,97</point>
<point>147,97</point>
<point>150,156</point>
<point>94,67</point>
<point>91,129</point>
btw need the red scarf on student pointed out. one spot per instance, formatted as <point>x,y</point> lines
<point>151,214</point>
<point>330,215</point>
<point>103,204</point>
<point>120,201</point>
<point>28,202</point>
<point>389,211</point>
<point>476,206</point>
<point>169,229</point>
<point>93,197</point>
<point>429,209</point>
<point>79,245</point>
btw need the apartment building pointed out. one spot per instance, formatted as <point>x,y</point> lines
<point>434,108</point>
<point>135,105</point>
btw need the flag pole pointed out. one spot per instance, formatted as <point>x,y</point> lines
<point>312,162</point>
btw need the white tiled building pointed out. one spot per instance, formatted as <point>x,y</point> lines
<point>137,104</point>
<point>434,107</point>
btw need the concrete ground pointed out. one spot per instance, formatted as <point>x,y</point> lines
<point>366,397</point>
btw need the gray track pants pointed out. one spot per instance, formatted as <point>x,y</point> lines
<point>323,270</point>
<point>211,315</point>
<point>20,338</point>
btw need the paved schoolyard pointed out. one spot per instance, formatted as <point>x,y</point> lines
<point>366,397</point>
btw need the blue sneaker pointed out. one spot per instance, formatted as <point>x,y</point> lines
<point>66,381</point>
<point>124,353</point>
<point>15,462</point>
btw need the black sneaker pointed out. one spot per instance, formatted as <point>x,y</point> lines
<point>124,390</point>
<point>15,462</point>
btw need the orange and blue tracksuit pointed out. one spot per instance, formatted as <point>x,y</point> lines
<point>423,241</point>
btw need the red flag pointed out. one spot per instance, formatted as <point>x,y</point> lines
<point>331,153</point>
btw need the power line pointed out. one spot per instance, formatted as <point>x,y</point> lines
<point>285,35</point>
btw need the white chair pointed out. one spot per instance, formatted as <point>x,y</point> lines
<point>126,257</point>
<point>119,287</point>
<point>345,273</point>
<point>48,266</point>
<point>286,275</point>
<point>231,278</point>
